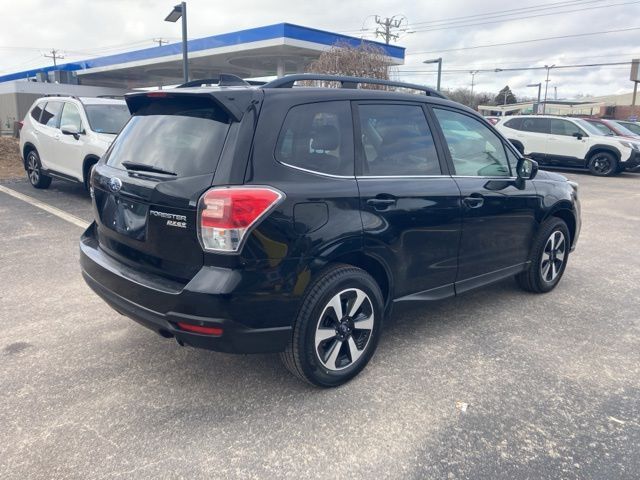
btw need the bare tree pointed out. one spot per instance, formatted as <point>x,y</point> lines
<point>344,59</point>
<point>469,98</point>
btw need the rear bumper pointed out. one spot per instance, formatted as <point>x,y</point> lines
<point>633,163</point>
<point>252,321</point>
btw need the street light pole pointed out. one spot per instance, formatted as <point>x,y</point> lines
<point>546,88</point>
<point>539,85</point>
<point>473,77</point>
<point>439,62</point>
<point>180,11</point>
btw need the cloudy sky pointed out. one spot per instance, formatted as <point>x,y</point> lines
<point>452,29</point>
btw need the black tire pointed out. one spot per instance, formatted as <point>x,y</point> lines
<point>34,171</point>
<point>538,278</point>
<point>603,164</point>
<point>317,318</point>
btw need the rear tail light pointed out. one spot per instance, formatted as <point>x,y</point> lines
<point>226,215</point>
<point>20,125</point>
<point>188,327</point>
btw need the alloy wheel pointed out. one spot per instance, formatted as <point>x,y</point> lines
<point>602,164</point>
<point>33,170</point>
<point>344,329</point>
<point>553,256</point>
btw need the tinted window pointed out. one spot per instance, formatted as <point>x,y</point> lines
<point>107,118</point>
<point>537,125</point>
<point>318,137</point>
<point>633,127</point>
<point>71,117</point>
<point>515,123</point>
<point>184,136</point>
<point>513,160</point>
<point>396,140</point>
<point>475,149</point>
<point>36,112</point>
<point>51,114</point>
<point>564,127</point>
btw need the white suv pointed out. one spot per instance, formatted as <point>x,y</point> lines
<point>63,137</point>
<point>570,143</point>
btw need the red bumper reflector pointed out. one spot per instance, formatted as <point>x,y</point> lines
<point>217,331</point>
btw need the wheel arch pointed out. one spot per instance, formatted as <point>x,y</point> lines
<point>565,212</point>
<point>603,148</point>
<point>89,160</point>
<point>27,147</point>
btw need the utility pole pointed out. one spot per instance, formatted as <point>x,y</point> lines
<point>546,87</point>
<point>387,25</point>
<point>473,76</point>
<point>55,54</point>
<point>160,41</point>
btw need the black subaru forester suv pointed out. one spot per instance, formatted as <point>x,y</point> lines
<point>267,218</point>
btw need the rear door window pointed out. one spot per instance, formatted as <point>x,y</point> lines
<point>51,114</point>
<point>535,125</point>
<point>318,137</point>
<point>183,136</point>
<point>396,141</point>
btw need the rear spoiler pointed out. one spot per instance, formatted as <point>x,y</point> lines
<point>234,102</point>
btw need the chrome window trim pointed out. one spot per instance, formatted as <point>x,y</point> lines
<point>330,175</point>
<point>492,177</point>
<point>374,177</point>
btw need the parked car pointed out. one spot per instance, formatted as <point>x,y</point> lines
<point>571,143</point>
<point>493,120</point>
<point>611,128</point>
<point>275,219</point>
<point>633,127</point>
<point>63,137</point>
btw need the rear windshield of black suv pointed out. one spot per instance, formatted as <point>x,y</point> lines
<point>183,136</point>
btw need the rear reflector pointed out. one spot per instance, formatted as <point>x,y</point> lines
<point>226,215</point>
<point>216,331</point>
<point>157,94</point>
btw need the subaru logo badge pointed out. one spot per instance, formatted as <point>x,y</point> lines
<point>114,184</point>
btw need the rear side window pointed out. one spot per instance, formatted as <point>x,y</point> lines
<point>318,137</point>
<point>536,125</point>
<point>183,136</point>
<point>515,123</point>
<point>396,141</point>
<point>51,114</point>
<point>36,112</point>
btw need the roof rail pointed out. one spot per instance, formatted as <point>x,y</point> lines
<point>114,97</point>
<point>348,82</point>
<point>223,80</point>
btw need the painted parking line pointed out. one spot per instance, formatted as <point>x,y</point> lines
<point>46,207</point>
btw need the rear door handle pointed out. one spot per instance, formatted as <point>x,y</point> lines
<point>474,201</point>
<point>381,203</point>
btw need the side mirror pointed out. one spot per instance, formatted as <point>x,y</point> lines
<point>70,130</point>
<point>578,135</point>
<point>527,169</point>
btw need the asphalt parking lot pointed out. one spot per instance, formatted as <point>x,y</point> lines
<point>551,383</point>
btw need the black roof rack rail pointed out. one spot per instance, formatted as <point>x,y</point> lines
<point>114,97</point>
<point>348,82</point>
<point>60,95</point>
<point>223,80</point>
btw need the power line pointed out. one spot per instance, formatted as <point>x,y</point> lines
<point>517,69</point>
<point>55,54</point>
<point>448,27</point>
<point>576,35</point>
<point>497,13</point>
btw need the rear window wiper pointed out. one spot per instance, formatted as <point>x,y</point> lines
<point>143,167</point>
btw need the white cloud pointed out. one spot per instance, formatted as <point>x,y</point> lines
<point>82,28</point>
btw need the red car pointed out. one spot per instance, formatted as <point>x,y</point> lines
<point>611,127</point>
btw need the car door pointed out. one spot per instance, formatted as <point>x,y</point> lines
<point>568,144</point>
<point>498,212</point>
<point>410,205</point>
<point>68,150</point>
<point>48,135</point>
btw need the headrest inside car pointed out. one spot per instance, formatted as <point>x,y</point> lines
<point>325,137</point>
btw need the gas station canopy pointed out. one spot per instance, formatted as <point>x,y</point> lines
<point>274,50</point>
